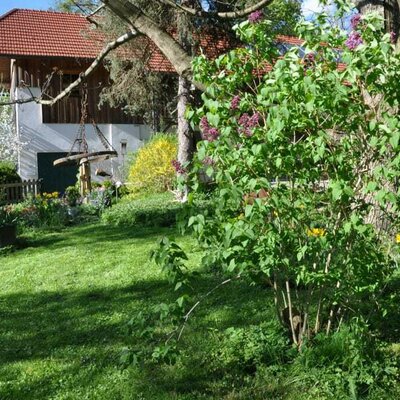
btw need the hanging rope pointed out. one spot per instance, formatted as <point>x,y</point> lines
<point>80,144</point>
<point>106,144</point>
<point>80,148</point>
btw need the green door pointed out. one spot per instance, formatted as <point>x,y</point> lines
<point>55,179</point>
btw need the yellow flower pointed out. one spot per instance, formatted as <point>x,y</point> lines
<point>316,232</point>
<point>398,238</point>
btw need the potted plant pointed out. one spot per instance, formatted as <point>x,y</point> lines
<point>8,226</point>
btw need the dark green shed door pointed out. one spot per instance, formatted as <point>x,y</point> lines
<point>55,179</point>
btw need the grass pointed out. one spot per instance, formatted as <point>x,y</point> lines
<point>65,299</point>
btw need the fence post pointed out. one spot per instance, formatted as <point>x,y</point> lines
<point>15,192</point>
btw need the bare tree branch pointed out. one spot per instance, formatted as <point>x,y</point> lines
<point>224,15</point>
<point>186,317</point>
<point>110,46</point>
<point>97,10</point>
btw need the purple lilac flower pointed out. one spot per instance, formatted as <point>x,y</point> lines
<point>247,123</point>
<point>309,61</point>
<point>209,133</point>
<point>254,120</point>
<point>355,20</point>
<point>235,103</point>
<point>393,37</point>
<point>212,134</point>
<point>204,125</point>
<point>354,40</point>
<point>243,119</point>
<point>256,17</point>
<point>178,167</point>
<point>310,57</point>
<point>209,161</point>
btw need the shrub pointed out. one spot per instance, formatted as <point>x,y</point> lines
<point>156,210</point>
<point>305,169</point>
<point>247,348</point>
<point>8,173</point>
<point>72,195</point>
<point>101,197</point>
<point>152,169</point>
<point>45,210</point>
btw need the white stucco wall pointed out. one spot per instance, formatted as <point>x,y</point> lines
<point>50,138</point>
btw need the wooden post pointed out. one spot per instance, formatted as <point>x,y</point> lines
<point>85,178</point>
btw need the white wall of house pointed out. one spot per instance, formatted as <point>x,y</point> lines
<point>52,138</point>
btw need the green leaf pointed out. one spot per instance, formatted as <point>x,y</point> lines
<point>180,300</point>
<point>231,266</point>
<point>248,210</point>
<point>394,140</point>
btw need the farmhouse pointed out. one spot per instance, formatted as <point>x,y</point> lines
<point>37,44</point>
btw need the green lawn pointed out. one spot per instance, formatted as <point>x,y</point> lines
<point>65,299</point>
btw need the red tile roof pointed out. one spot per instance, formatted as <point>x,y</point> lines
<point>56,34</point>
<point>46,33</point>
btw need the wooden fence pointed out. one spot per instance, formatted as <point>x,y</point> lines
<point>15,192</point>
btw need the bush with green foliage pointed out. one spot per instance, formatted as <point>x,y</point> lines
<point>151,170</point>
<point>42,211</point>
<point>8,173</point>
<point>153,210</point>
<point>72,195</point>
<point>7,216</point>
<point>249,347</point>
<point>304,160</point>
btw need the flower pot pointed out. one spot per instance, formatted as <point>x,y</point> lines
<point>8,235</point>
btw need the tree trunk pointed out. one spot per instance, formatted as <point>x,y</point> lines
<point>185,135</point>
<point>389,10</point>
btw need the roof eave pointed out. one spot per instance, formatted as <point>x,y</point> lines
<point>20,56</point>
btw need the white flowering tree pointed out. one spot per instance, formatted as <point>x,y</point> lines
<point>9,141</point>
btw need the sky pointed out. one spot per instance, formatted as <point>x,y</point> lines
<point>7,5</point>
<point>309,7</point>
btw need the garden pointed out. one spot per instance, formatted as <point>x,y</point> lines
<point>278,278</point>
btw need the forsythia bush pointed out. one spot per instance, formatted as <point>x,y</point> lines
<point>152,169</point>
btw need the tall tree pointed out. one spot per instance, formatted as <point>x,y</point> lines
<point>187,18</point>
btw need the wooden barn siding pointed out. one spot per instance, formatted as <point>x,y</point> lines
<point>34,72</point>
<point>5,78</point>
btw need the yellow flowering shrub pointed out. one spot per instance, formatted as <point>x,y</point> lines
<point>152,170</point>
<point>316,232</point>
<point>53,195</point>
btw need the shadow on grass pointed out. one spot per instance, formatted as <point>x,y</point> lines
<point>89,233</point>
<point>46,321</point>
<point>88,329</point>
